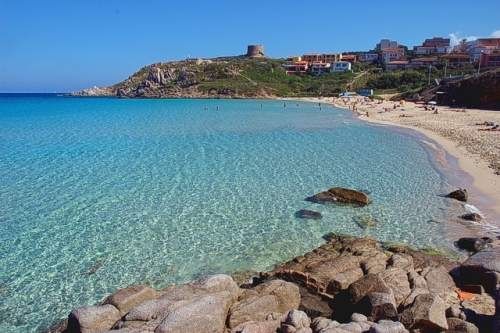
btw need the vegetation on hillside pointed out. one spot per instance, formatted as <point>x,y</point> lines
<point>244,77</point>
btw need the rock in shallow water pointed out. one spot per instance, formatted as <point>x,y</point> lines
<point>365,221</point>
<point>308,214</point>
<point>460,195</point>
<point>341,195</point>
<point>472,244</point>
<point>472,217</point>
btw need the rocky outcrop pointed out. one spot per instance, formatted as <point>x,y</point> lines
<point>95,91</point>
<point>92,319</point>
<point>473,244</point>
<point>482,268</point>
<point>194,79</point>
<point>346,285</point>
<point>204,314</point>
<point>460,195</point>
<point>427,313</point>
<point>341,195</point>
<point>126,299</point>
<point>270,298</point>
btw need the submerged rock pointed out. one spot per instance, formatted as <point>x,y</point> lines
<point>341,195</point>
<point>365,221</point>
<point>308,214</point>
<point>460,195</point>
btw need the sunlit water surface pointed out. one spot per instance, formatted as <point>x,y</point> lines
<point>98,194</point>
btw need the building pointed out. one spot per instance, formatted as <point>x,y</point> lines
<point>424,62</point>
<point>320,68</point>
<point>349,57</point>
<point>296,67</point>
<point>341,66</point>
<point>491,59</point>
<point>255,51</point>
<point>386,44</point>
<point>433,46</point>
<point>481,46</point>
<point>436,42</point>
<point>365,92</point>
<point>321,57</point>
<point>392,54</point>
<point>456,59</point>
<point>397,64</point>
<point>368,57</point>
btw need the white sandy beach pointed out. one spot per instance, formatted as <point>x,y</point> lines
<point>455,130</point>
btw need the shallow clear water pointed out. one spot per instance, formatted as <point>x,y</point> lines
<point>98,194</point>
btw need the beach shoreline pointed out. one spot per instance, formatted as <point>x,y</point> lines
<point>485,183</point>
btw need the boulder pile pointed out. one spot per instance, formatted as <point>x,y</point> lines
<point>346,285</point>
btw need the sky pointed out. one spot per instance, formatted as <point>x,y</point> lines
<point>68,45</point>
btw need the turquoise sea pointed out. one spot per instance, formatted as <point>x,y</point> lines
<point>101,193</point>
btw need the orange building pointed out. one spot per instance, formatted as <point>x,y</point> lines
<point>296,67</point>
<point>321,57</point>
<point>349,57</point>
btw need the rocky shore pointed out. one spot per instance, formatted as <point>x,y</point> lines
<point>346,285</point>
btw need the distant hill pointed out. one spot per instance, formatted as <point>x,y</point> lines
<point>232,77</point>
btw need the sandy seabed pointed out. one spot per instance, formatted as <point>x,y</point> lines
<point>463,133</point>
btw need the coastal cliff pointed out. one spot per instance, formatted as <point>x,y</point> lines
<point>229,77</point>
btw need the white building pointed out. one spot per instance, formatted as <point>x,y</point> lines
<point>341,66</point>
<point>319,68</point>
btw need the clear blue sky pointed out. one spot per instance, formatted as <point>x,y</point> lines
<point>65,45</point>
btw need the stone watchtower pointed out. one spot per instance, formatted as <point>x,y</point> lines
<point>255,51</point>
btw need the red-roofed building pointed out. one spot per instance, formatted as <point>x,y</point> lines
<point>491,59</point>
<point>296,67</point>
<point>392,54</point>
<point>424,62</point>
<point>456,59</point>
<point>349,57</point>
<point>436,45</point>
<point>397,64</point>
<point>481,46</point>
